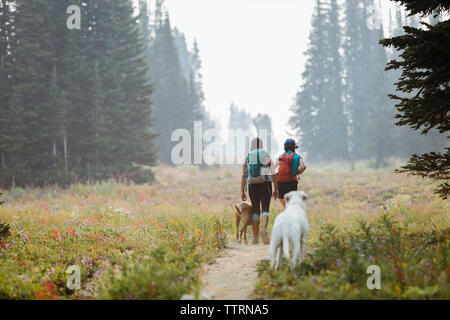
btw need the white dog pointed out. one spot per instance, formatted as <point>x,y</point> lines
<point>290,227</point>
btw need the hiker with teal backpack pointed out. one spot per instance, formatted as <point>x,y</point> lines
<point>259,174</point>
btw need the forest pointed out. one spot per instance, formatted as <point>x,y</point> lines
<point>101,102</point>
<point>94,103</point>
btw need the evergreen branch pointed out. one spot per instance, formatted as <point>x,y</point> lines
<point>433,165</point>
<point>425,7</point>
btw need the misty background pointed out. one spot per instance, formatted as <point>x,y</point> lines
<point>103,101</point>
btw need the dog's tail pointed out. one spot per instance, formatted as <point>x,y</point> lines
<point>285,241</point>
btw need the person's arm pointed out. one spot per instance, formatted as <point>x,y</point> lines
<point>274,178</point>
<point>276,164</point>
<point>302,166</point>
<point>243,195</point>
<point>275,186</point>
<point>295,164</point>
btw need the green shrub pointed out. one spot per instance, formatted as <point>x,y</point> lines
<point>4,231</point>
<point>4,227</point>
<point>160,275</point>
<point>141,176</point>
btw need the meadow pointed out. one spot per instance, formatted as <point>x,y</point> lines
<point>151,241</point>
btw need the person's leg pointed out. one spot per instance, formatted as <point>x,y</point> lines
<point>254,194</point>
<point>288,187</point>
<point>265,205</point>
<point>282,192</point>
<point>265,208</point>
<point>255,228</point>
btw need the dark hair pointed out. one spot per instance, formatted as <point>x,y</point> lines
<point>256,143</point>
<point>289,148</point>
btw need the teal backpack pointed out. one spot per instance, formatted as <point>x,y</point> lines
<point>257,172</point>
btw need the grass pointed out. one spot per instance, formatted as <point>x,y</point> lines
<point>132,242</point>
<point>150,241</point>
<point>368,218</point>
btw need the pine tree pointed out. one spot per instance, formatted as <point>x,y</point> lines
<point>319,116</point>
<point>33,56</point>
<point>144,23</point>
<point>130,86</point>
<point>4,113</point>
<point>196,95</point>
<point>380,131</point>
<point>55,128</point>
<point>183,53</point>
<point>171,98</point>
<point>360,62</point>
<point>304,120</point>
<point>332,120</point>
<point>406,140</point>
<point>6,39</point>
<point>425,70</point>
<point>82,96</point>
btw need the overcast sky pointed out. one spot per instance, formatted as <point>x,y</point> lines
<point>252,52</point>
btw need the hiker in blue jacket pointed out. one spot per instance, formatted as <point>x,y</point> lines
<point>258,172</point>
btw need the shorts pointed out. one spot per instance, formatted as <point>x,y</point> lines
<point>286,187</point>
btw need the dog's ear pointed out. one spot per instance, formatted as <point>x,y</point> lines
<point>287,197</point>
<point>237,209</point>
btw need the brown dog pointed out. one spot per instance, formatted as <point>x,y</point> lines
<point>244,213</point>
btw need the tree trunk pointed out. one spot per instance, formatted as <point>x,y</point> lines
<point>65,153</point>
<point>54,147</point>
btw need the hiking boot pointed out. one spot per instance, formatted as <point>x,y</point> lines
<point>265,236</point>
<point>255,241</point>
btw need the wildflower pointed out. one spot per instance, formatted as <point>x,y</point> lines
<point>338,262</point>
<point>356,248</point>
<point>371,258</point>
<point>75,213</point>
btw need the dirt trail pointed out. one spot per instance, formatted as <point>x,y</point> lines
<point>233,275</point>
